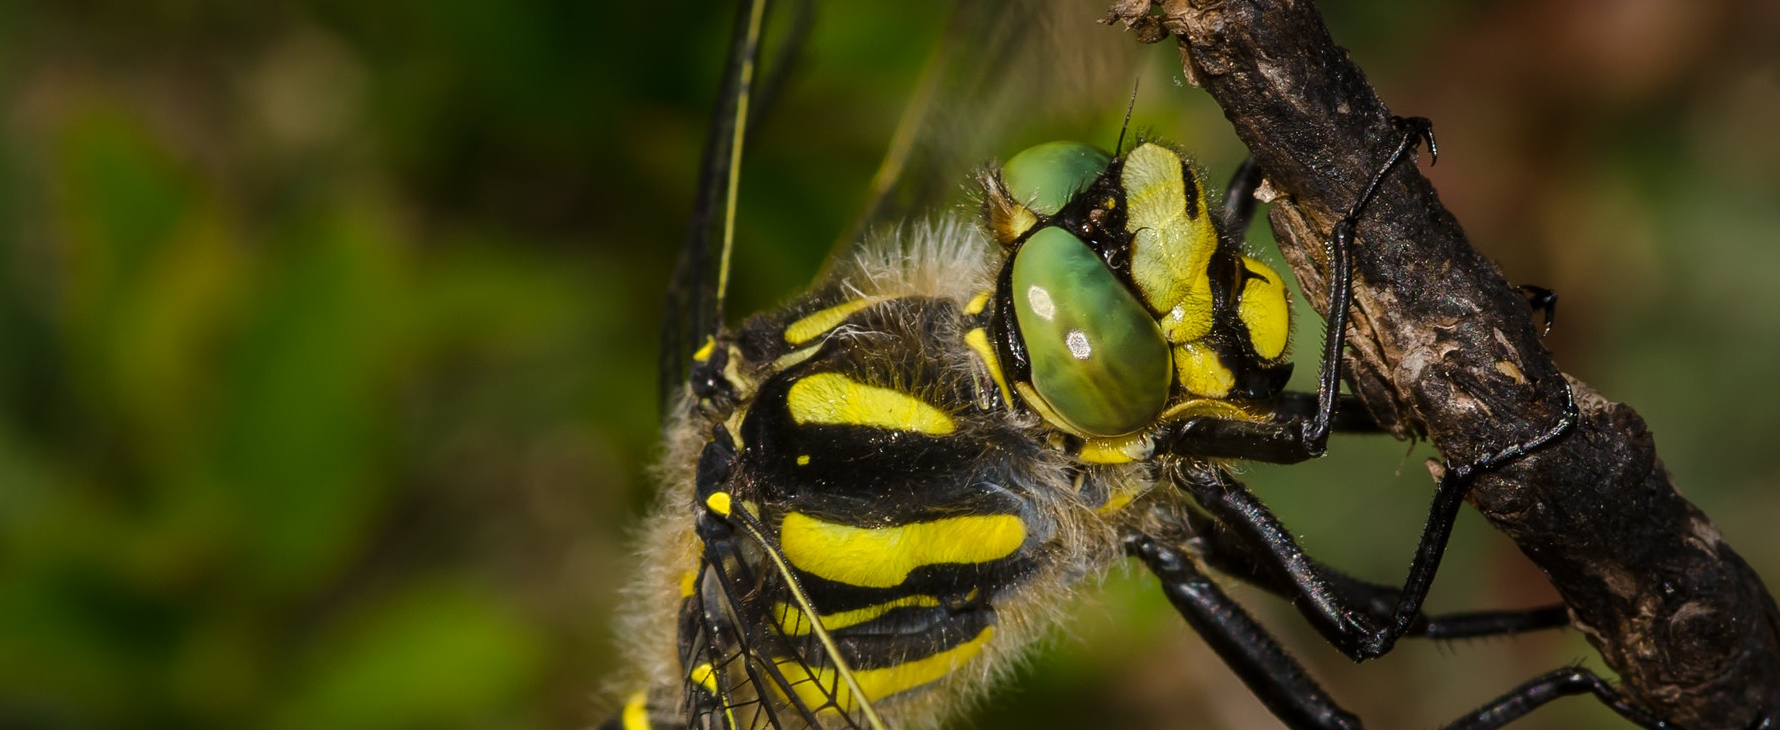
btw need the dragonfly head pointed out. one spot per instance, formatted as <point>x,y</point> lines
<point>1121,295</point>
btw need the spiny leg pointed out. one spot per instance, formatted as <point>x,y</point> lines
<point>1280,682</point>
<point>1550,686</point>
<point>1350,416</point>
<point>1351,628</point>
<point>1277,679</point>
<point>1303,439</point>
<point>1222,549</point>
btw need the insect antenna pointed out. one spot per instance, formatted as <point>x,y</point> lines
<point>1119,149</point>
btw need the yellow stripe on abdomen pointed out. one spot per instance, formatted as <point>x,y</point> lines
<point>793,622</point>
<point>883,557</point>
<point>884,681</point>
<point>835,399</point>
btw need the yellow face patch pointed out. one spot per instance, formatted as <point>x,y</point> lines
<point>1117,450</point>
<point>1209,408</point>
<point>883,557</point>
<point>1199,370</point>
<point>1265,310</point>
<point>1172,241</point>
<point>835,399</point>
<point>819,323</point>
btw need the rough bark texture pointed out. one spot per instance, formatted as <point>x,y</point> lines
<point>1441,346</point>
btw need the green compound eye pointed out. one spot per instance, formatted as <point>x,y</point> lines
<point>1044,176</point>
<point>1098,359</point>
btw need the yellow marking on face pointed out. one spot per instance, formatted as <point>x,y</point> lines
<point>1190,318</point>
<point>884,681</point>
<point>1117,450</point>
<point>819,323</point>
<point>977,303</point>
<point>688,579</point>
<point>719,503</point>
<point>1209,408</point>
<point>636,712</point>
<point>1265,310</point>
<point>835,399</point>
<point>1198,370</point>
<point>978,340</point>
<point>704,676</point>
<point>883,557</point>
<point>792,622</point>
<point>1169,247</point>
<point>704,351</point>
<point>803,459</point>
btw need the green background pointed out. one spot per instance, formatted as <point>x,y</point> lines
<point>327,331</point>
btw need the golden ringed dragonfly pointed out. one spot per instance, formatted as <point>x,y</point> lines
<point>879,495</point>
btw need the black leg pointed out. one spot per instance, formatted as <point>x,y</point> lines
<point>1548,687</point>
<point>1304,439</point>
<point>1350,415</point>
<point>1543,300</point>
<point>1222,549</point>
<point>1272,674</point>
<point>1351,628</point>
<point>1239,197</point>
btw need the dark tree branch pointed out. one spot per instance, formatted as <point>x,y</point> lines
<point>1442,346</point>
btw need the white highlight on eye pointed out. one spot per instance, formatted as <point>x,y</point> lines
<point>1078,344</point>
<point>1040,300</point>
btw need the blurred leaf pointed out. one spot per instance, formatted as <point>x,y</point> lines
<point>307,390</point>
<point>432,656</point>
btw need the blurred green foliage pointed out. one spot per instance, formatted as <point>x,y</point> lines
<point>327,332</point>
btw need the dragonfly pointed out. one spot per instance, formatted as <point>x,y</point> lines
<point>878,496</point>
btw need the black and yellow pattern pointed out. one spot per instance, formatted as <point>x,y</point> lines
<point>910,486</point>
<point>879,495</point>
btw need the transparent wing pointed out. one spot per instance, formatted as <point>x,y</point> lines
<point>695,297</point>
<point>746,669</point>
<point>998,67</point>
<point>1001,71</point>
